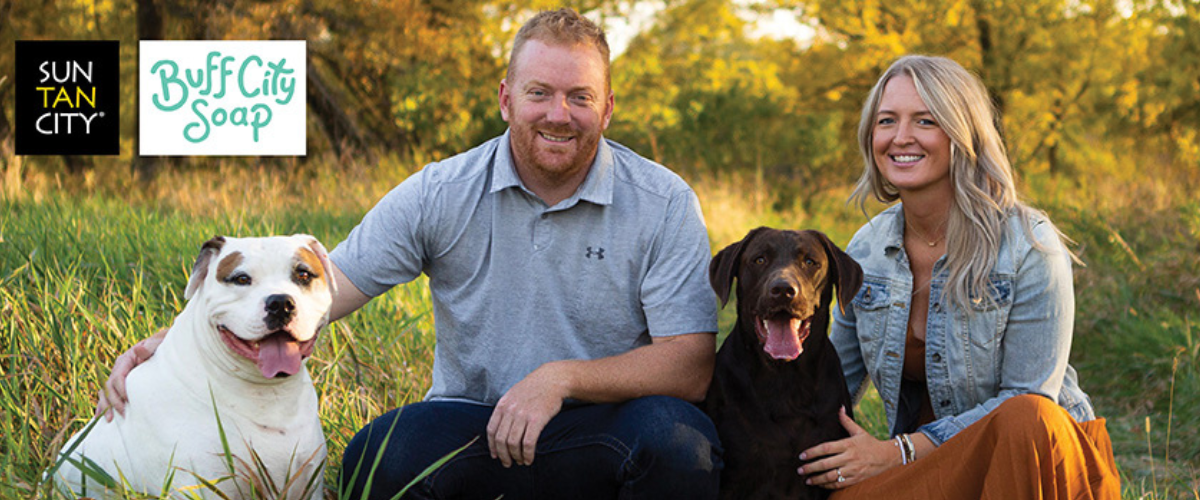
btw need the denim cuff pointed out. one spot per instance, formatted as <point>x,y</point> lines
<point>939,431</point>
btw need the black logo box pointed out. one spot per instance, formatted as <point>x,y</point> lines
<point>62,120</point>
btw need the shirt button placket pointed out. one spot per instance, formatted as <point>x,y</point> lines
<point>541,232</point>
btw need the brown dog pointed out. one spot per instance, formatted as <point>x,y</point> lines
<point>778,382</point>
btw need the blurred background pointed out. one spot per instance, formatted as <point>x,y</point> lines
<point>755,103</point>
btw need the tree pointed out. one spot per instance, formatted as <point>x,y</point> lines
<point>698,94</point>
<point>1046,62</point>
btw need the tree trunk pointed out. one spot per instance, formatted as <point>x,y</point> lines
<point>149,27</point>
<point>1052,160</point>
<point>6,130</point>
<point>344,136</point>
<point>987,52</point>
<point>77,165</point>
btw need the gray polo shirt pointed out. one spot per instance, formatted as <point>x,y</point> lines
<point>516,284</point>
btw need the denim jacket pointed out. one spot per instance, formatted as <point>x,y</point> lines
<point>1016,344</point>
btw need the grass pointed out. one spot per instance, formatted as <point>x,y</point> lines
<point>109,274</point>
<point>89,267</point>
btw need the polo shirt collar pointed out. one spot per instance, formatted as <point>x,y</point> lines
<point>504,171</point>
<point>597,187</point>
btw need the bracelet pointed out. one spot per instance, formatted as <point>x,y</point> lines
<point>910,453</point>
<point>903,456</point>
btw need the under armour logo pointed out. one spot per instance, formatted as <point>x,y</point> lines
<point>597,252</point>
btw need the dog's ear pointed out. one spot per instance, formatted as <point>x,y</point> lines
<point>323,256</point>
<point>724,266</point>
<point>208,251</point>
<point>847,274</point>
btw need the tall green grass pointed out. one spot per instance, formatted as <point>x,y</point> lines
<point>81,280</point>
<point>1138,338</point>
<point>88,268</point>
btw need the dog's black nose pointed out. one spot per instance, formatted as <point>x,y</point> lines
<point>280,306</point>
<point>783,289</point>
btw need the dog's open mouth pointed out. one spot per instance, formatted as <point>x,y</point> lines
<point>782,335</point>
<point>278,354</point>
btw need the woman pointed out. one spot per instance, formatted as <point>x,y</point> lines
<point>964,319</point>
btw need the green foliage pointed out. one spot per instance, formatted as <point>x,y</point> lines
<point>1101,109</point>
<point>697,94</point>
<point>1085,87</point>
<point>1141,292</point>
<point>107,275</point>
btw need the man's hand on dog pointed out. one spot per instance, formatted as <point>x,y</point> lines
<point>523,412</point>
<point>113,396</point>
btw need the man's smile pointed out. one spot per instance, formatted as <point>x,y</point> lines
<point>555,138</point>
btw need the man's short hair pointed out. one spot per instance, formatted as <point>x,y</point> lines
<point>563,27</point>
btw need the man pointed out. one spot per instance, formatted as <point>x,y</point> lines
<point>571,302</point>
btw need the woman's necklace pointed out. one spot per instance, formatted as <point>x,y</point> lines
<point>922,237</point>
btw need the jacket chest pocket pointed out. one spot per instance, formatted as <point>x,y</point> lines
<point>871,308</point>
<point>985,322</point>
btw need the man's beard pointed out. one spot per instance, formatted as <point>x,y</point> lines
<point>549,161</point>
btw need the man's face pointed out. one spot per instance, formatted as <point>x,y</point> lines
<point>557,104</point>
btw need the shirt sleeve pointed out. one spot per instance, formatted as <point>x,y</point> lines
<point>1037,337</point>
<point>387,247</point>
<point>675,293</point>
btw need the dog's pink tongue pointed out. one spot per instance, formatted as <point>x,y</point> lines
<point>783,339</point>
<point>278,353</point>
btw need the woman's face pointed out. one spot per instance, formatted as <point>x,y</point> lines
<point>911,150</point>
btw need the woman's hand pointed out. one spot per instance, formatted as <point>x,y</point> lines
<point>852,460</point>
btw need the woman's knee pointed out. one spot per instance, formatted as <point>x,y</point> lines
<point>1030,416</point>
<point>1033,406</point>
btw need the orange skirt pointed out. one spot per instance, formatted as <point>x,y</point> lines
<point>1028,448</point>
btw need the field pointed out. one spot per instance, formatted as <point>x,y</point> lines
<point>90,266</point>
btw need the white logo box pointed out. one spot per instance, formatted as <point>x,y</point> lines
<point>221,98</point>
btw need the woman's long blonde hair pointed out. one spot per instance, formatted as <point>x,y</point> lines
<point>984,191</point>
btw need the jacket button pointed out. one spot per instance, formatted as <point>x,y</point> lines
<point>945,403</point>
<point>937,357</point>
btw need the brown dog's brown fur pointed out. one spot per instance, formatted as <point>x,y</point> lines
<point>768,410</point>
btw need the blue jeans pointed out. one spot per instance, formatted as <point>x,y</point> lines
<point>652,447</point>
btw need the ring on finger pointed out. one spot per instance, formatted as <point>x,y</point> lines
<point>841,478</point>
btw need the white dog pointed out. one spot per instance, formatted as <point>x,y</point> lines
<point>255,307</point>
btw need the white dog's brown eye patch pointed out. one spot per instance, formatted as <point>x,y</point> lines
<point>228,265</point>
<point>310,261</point>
